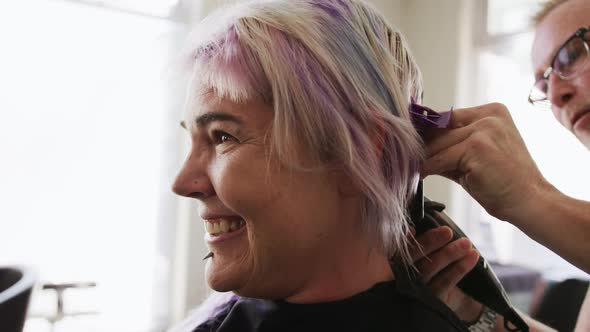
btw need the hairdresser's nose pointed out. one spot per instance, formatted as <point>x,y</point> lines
<point>560,91</point>
<point>193,179</point>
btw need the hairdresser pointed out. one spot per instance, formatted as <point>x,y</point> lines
<point>484,152</point>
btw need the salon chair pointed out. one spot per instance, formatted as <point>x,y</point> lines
<point>16,285</point>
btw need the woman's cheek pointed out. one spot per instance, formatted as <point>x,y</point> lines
<point>241,185</point>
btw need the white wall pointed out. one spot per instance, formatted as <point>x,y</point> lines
<point>391,9</point>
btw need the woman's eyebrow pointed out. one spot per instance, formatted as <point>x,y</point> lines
<point>207,118</point>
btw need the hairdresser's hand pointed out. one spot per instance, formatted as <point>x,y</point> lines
<point>484,152</point>
<point>442,264</point>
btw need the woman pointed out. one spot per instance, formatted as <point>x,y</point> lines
<point>303,160</point>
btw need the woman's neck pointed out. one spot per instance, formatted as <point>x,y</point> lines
<point>344,282</point>
<point>349,265</point>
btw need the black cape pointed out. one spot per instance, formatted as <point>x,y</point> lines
<point>398,305</point>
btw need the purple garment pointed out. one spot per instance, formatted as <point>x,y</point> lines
<point>217,317</point>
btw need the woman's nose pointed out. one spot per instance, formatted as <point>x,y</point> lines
<point>193,180</point>
<point>560,91</point>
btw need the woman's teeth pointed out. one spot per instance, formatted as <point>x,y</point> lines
<point>220,226</point>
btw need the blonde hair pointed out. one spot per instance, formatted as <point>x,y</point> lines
<point>339,78</point>
<point>545,9</point>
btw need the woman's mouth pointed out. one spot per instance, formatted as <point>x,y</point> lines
<point>220,229</point>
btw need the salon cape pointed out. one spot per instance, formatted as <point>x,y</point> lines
<point>397,305</point>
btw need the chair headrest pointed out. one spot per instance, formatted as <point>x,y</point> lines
<point>15,280</point>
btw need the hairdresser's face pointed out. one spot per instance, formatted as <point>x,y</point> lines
<point>570,98</point>
<point>266,222</point>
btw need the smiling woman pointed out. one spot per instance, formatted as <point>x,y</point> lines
<point>303,161</point>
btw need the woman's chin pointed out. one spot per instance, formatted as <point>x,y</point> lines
<point>222,281</point>
<point>236,282</point>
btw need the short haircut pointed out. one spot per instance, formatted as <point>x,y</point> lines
<point>339,79</point>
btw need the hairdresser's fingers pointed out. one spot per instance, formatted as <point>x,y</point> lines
<point>447,279</point>
<point>464,116</point>
<point>462,150</point>
<point>489,159</point>
<point>430,241</point>
<point>438,261</point>
<point>438,140</point>
<point>444,286</point>
<point>491,124</point>
<point>454,159</point>
<point>463,122</point>
<point>484,157</point>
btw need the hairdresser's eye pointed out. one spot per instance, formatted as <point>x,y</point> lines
<point>221,137</point>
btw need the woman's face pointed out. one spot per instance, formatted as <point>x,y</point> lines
<point>268,224</point>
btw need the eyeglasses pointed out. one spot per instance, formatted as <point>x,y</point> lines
<point>569,61</point>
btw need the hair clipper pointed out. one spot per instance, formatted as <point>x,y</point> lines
<point>481,283</point>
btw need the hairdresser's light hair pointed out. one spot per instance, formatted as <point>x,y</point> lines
<point>544,10</point>
<point>339,78</point>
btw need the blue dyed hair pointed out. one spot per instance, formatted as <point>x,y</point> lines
<point>339,78</point>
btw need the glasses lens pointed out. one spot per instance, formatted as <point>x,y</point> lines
<point>538,92</point>
<point>571,58</point>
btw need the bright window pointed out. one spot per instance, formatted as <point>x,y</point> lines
<point>83,130</point>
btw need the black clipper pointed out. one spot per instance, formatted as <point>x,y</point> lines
<point>481,283</point>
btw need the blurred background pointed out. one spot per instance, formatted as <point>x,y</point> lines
<point>90,144</point>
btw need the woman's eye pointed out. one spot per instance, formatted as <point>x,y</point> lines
<point>220,137</point>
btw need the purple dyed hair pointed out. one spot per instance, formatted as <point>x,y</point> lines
<point>340,79</point>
